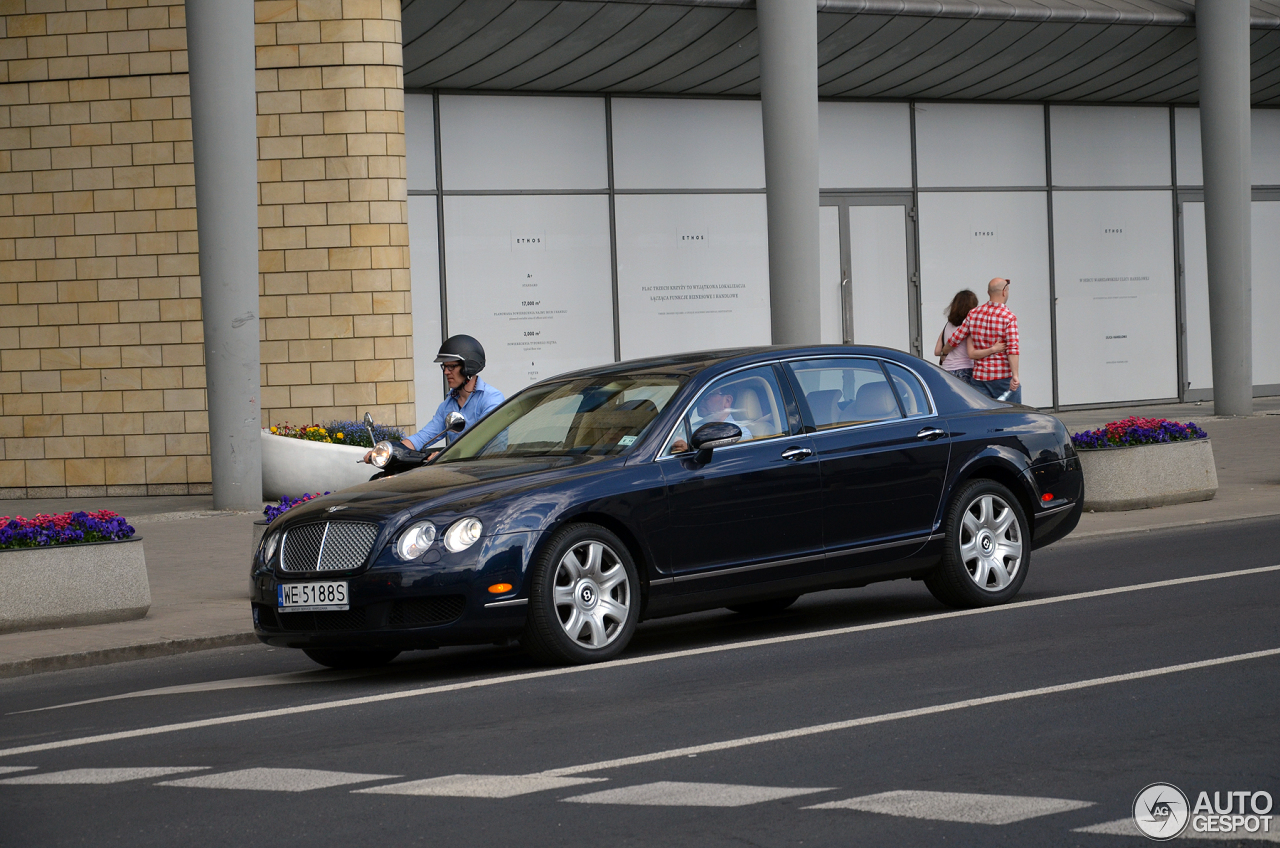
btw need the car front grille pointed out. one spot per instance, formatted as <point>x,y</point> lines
<point>328,546</point>
<point>424,612</point>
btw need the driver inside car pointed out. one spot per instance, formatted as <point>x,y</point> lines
<point>715,405</point>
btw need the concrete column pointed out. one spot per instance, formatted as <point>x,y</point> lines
<point>224,137</point>
<point>1222,34</point>
<point>789,100</point>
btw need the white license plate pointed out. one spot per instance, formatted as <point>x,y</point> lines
<point>300,597</point>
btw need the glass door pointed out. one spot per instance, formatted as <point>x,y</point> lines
<point>869,273</point>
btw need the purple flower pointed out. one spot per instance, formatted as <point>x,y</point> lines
<point>274,511</point>
<point>1137,431</point>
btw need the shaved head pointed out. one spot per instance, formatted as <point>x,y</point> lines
<point>996,286</point>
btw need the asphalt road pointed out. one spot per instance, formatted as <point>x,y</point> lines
<point>863,717</point>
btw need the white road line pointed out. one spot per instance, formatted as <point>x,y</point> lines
<point>667,793</point>
<point>1126,827</point>
<point>956,806</point>
<point>479,785</point>
<point>276,779</point>
<point>293,711</point>
<point>12,769</point>
<point>829,727</point>
<point>96,776</point>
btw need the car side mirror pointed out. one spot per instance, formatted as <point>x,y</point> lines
<point>716,434</point>
<point>455,422</point>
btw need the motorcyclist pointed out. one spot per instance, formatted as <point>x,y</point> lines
<point>462,359</point>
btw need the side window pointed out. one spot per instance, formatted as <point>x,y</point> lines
<point>914,399</point>
<point>751,399</point>
<point>845,391</point>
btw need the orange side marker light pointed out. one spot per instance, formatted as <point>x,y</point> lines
<point>499,588</point>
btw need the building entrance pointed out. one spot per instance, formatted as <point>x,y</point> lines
<point>869,271</point>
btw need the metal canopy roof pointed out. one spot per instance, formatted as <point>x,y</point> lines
<point>1116,51</point>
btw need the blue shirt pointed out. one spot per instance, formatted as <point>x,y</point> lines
<point>482,401</point>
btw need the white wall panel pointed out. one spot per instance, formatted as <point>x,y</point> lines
<point>507,143</point>
<point>419,142</point>
<point>968,238</point>
<point>879,282</point>
<point>964,144</point>
<point>529,277</point>
<point>424,298</point>
<point>1114,278</point>
<point>667,143</point>
<point>864,145</point>
<point>1186,138</point>
<point>1110,145</point>
<point>1266,294</point>
<point>830,306</point>
<point>1264,146</point>
<point>693,272</point>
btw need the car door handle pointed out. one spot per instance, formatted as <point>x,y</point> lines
<point>796,454</point>
<point>930,433</point>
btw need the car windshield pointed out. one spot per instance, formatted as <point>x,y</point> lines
<point>594,415</point>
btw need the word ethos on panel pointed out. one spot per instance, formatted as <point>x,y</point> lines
<point>530,277</point>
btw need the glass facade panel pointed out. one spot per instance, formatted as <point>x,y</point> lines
<point>424,294</point>
<point>529,276</point>
<point>420,142</point>
<point>1110,145</point>
<point>1113,268</point>
<point>864,145</point>
<point>683,144</point>
<point>693,272</point>
<point>966,239</point>
<point>509,143</point>
<point>968,144</point>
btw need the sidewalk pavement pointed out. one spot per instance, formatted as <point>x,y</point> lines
<point>197,558</point>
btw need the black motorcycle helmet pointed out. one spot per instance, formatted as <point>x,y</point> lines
<point>466,350</point>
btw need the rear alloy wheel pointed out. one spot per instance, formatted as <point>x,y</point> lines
<point>764,607</point>
<point>584,599</point>
<point>988,548</point>
<point>351,658</point>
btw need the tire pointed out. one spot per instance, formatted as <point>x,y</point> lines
<point>584,598</point>
<point>764,607</point>
<point>351,658</point>
<point>987,549</point>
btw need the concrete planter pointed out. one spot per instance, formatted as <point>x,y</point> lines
<point>71,585</point>
<point>296,467</point>
<point>1148,475</point>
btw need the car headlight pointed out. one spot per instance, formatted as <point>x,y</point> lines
<point>381,454</point>
<point>414,541</point>
<point>463,534</point>
<point>269,546</point>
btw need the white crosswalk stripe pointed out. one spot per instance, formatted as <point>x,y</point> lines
<point>12,769</point>
<point>276,779</point>
<point>1126,827</point>
<point>479,785</point>
<point>97,775</point>
<point>962,807</point>
<point>668,793</point>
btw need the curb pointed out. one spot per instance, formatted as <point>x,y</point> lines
<point>106,656</point>
<point>1173,525</point>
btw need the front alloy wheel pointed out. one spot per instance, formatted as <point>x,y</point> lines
<point>987,548</point>
<point>583,604</point>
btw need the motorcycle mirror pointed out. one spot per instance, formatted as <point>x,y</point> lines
<point>455,422</point>
<point>368,426</point>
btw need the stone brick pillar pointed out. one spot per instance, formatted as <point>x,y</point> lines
<point>334,260</point>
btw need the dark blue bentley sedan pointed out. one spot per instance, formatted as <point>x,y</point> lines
<point>739,479</point>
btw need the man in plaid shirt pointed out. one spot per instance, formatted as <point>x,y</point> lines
<point>985,327</point>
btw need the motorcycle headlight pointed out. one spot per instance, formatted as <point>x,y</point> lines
<point>463,534</point>
<point>415,540</point>
<point>381,454</point>
<point>269,546</point>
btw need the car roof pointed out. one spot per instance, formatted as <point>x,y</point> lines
<point>694,362</point>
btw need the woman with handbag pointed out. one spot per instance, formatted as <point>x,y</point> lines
<point>955,360</point>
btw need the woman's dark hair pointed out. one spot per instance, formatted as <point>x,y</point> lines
<point>960,306</point>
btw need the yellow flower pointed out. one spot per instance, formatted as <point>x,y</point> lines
<point>339,435</point>
<point>273,429</point>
